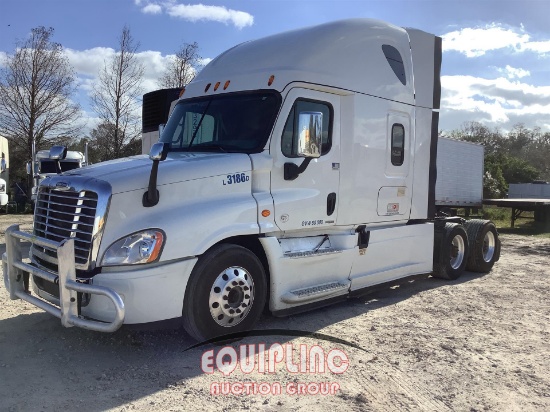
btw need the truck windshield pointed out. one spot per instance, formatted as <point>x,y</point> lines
<point>48,166</point>
<point>236,122</point>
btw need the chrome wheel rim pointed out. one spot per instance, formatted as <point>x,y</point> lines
<point>489,245</point>
<point>457,251</point>
<point>231,296</point>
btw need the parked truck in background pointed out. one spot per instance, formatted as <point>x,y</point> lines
<point>44,166</point>
<point>294,171</point>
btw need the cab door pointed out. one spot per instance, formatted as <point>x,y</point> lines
<point>310,199</point>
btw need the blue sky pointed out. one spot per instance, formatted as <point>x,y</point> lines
<point>496,61</point>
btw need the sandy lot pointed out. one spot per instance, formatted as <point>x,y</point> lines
<point>481,343</point>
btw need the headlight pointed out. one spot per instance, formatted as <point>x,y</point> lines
<point>140,247</point>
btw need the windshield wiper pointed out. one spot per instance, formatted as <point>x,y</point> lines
<point>199,124</point>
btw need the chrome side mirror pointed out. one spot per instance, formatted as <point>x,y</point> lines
<point>159,151</point>
<point>310,129</point>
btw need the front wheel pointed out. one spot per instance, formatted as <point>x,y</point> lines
<point>226,293</point>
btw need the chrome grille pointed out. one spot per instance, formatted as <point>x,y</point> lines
<point>61,214</point>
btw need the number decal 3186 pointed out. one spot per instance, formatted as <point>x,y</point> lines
<point>236,178</point>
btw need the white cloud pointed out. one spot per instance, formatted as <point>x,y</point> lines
<point>199,12</point>
<point>475,42</point>
<point>152,9</point>
<point>541,47</point>
<point>500,101</point>
<point>3,58</point>
<point>205,61</point>
<point>89,62</point>
<point>512,72</point>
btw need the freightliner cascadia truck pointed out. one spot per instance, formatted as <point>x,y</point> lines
<point>294,171</point>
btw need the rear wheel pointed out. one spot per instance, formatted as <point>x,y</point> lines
<point>484,245</point>
<point>450,251</point>
<point>226,293</point>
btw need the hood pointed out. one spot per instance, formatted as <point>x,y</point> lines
<point>132,173</point>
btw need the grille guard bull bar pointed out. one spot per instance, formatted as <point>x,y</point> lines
<point>14,268</point>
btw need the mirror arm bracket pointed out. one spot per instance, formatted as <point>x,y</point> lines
<point>292,171</point>
<point>152,196</point>
<point>158,153</point>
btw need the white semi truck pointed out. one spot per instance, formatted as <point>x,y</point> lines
<point>295,171</point>
<point>44,166</point>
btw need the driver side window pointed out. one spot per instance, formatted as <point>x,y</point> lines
<point>290,137</point>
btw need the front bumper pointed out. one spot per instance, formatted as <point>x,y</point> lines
<point>150,294</point>
<point>136,295</point>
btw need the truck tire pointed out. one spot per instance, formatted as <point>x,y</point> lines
<point>226,293</point>
<point>484,245</point>
<point>450,251</point>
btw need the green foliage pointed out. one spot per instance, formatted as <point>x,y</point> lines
<point>497,214</point>
<point>494,184</point>
<point>516,170</point>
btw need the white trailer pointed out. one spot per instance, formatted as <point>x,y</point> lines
<point>295,171</point>
<point>156,108</point>
<point>459,174</point>
<point>539,190</point>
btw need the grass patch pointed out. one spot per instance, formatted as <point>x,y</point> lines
<point>523,226</point>
<point>501,217</point>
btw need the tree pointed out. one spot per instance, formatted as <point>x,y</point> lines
<point>116,96</point>
<point>99,147</point>
<point>476,132</point>
<point>36,86</point>
<point>182,68</point>
<point>538,154</point>
<point>516,170</point>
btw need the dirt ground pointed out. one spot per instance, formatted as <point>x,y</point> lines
<point>481,343</point>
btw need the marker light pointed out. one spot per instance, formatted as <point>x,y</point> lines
<point>265,213</point>
<point>207,87</point>
<point>216,86</point>
<point>271,80</point>
<point>182,91</point>
<point>226,85</point>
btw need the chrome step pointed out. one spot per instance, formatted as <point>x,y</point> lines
<point>314,292</point>
<point>311,253</point>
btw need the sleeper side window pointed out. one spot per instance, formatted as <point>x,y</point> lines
<point>397,144</point>
<point>396,62</point>
<point>291,134</point>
